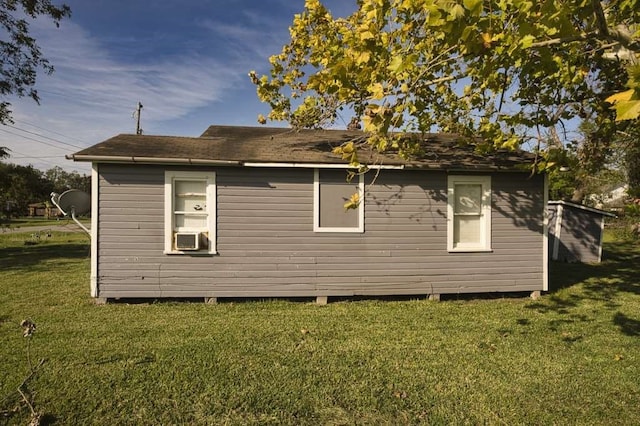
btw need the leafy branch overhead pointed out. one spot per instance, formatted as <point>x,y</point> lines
<point>20,55</point>
<point>502,70</point>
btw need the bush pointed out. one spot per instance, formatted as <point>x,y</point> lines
<point>627,226</point>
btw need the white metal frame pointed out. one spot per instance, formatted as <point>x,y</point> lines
<point>170,176</point>
<point>484,244</point>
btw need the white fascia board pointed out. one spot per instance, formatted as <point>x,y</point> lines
<point>581,207</point>
<point>322,166</point>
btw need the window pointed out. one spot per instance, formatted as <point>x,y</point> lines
<point>189,199</point>
<point>469,213</point>
<point>330,192</point>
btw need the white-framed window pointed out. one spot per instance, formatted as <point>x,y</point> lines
<point>469,213</point>
<point>189,212</point>
<point>330,193</point>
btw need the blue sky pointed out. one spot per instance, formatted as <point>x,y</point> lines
<point>186,61</point>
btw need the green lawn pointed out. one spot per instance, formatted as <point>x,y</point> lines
<point>571,357</point>
<point>26,222</point>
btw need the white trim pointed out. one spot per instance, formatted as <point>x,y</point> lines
<point>151,160</point>
<point>316,207</point>
<point>485,215</point>
<point>581,207</point>
<point>601,239</point>
<point>210,178</point>
<point>557,231</point>
<point>95,176</point>
<point>322,166</point>
<point>545,236</point>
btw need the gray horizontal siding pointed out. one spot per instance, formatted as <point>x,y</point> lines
<point>266,244</point>
<point>580,234</point>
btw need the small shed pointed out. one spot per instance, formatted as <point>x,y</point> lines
<point>575,232</point>
<point>43,210</point>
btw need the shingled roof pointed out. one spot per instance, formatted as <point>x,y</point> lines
<point>235,145</point>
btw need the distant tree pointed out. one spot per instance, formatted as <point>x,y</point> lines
<point>20,186</point>
<point>20,55</point>
<point>601,159</point>
<point>632,162</point>
<point>62,180</point>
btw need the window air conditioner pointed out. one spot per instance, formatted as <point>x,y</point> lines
<point>187,241</point>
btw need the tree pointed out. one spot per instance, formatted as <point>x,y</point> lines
<point>19,186</point>
<point>62,180</point>
<point>20,55</point>
<point>503,71</point>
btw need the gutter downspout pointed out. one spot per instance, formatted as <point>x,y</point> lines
<point>95,187</point>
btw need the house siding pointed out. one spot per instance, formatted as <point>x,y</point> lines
<point>267,248</point>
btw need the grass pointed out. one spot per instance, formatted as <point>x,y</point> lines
<point>571,357</point>
<point>25,222</point>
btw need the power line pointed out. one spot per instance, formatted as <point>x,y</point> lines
<point>25,156</point>
<point>32,139</point>
<point>51,131</point>
<point>45,137</point>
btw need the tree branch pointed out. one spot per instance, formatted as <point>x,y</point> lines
<point>600,18</point>
<point>562,40</point>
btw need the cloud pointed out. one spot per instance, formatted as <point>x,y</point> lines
<point>186,75</point>
<point>92,94</point>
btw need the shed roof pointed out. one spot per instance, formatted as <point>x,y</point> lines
<point>581,207</point>
<point>236,145</point>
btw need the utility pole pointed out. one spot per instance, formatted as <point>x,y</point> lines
<point>137,115</point>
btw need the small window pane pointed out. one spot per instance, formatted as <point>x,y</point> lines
<point>191,222</point>
<point>335,191</point>
<point>468,198</point>
<point>466,230</point>
<point>191,204</point>
<point>190,196</point>
<point>190,187</point>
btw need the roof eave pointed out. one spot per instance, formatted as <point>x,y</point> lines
<point>149,160</point>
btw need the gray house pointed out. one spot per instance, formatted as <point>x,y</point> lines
<point>575,232</point>
<point>258,212</point>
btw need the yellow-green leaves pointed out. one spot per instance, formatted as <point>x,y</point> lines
<point>348,151</point>
<point>473,6</point>
<point>456,12</point>
<point>376,90</point>
<point>498,70</point>
<point>626,104</point>
<point>353,202</point>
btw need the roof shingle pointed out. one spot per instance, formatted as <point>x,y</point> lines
<point>238,145</point>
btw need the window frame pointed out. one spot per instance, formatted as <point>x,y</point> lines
<point>484,245</point>
<point>170,177</point>
<point>316,205</point>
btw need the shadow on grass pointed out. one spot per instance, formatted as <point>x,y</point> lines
<point>617,274</point>
<point>31,256</point>
<point>628,326</point>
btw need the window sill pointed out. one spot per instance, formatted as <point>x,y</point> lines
<point>470,250</point>
<point>339,230</point>
<point>191,253</point>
